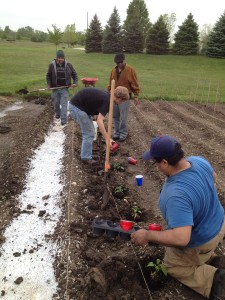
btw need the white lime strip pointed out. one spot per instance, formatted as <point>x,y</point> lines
<point>27,256</point>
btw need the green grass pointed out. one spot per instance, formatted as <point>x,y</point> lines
<point>188,78</point>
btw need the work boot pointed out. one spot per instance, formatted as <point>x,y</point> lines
<point>90,162</point>
<point>218,286</point>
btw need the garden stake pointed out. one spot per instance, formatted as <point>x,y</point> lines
<point>105,196</point>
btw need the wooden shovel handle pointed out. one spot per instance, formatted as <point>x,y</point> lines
<point>109,125</point>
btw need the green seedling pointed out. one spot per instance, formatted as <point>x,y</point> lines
<point>119,189</point>
<point>118,166</point>
<point>136,212</point>
<point>157,267</point>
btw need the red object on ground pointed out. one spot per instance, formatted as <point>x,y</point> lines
<point>154,226</point>
<point>132,161</point>
<point>89,81</point>
<point>114,147</point>
<point>126,225</point>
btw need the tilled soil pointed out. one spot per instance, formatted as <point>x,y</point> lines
<point>93,266</point>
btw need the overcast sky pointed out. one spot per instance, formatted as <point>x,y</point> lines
<point>41,14</point>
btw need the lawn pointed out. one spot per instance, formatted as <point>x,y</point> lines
<point>187,78</point>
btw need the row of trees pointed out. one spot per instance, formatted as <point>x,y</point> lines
<point>70,36</point>
<point>136,35</point>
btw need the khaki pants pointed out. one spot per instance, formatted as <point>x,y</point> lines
<point>188,265</point>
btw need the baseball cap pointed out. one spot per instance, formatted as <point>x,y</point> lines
<point>161,146</point>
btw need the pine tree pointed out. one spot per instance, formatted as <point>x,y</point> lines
<point>157,41</point>
<point>135,27</point>
<point>93,41</point>
<point>186,38</point>
<point>112,38</point>
<point>216,43</point>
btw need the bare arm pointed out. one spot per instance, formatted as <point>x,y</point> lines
<point>101,127</point>
<point>172,237</point>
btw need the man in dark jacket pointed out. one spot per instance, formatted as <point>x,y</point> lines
<point>59,75</point>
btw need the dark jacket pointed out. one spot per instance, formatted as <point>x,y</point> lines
<point>70,73</point>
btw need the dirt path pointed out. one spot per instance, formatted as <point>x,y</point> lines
<point>90,266</point>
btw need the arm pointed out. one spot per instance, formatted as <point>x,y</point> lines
<point>102,127</point>
<point>134,86</point>
<point>179,236</point>
<point>49,76</point>
<point>74,75</point>
<point>110,79</point>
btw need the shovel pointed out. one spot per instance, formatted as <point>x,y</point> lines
<point>105,196</point>
<point>25,92</point>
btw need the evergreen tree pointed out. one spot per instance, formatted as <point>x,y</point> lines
<point>216,42</point>
<point>94,35</point>
<point>112,39</point>
<point>186,38</point>
<point>157,41</point>
<point>135,27</point>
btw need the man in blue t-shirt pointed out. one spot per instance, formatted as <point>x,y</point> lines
<point>89,102</point>
<point>194,215</point>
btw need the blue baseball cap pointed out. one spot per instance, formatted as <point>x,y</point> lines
<point>161,146</point>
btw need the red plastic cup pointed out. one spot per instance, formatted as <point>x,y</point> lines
<point>126,225</point>
<point>114,147</point>
<point>132,161</point>
<point>155,227</point>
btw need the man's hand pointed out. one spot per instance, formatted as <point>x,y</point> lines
<point>74,85</point>
<point>140,237</point>
<point>112,142</point>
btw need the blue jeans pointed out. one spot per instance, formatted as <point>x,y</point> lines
<point>88,131</point>
<point>120,118</point>
<point>61,98</point>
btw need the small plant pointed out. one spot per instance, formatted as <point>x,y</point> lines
<point>136,212</point>
<point>118,166</point>
<point>157,268</point>
<point>119,189</point>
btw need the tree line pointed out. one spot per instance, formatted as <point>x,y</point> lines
<point>136,35</point>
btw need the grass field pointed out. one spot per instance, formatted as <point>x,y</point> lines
<point>187,78</point>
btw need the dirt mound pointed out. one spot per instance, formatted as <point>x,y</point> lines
<point>93,266</point>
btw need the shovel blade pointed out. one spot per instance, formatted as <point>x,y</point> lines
<point>105,198</point>
<point>23,92</point>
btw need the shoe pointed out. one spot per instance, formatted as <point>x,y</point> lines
<point>95,156</point>
<point>218,286</point>
<point>115,138</point>
<point>122,140</point>
<point>57,117</point>
<point>90,162</point>
<point>63,123</point>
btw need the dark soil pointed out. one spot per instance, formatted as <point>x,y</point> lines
<point>92,266</point>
